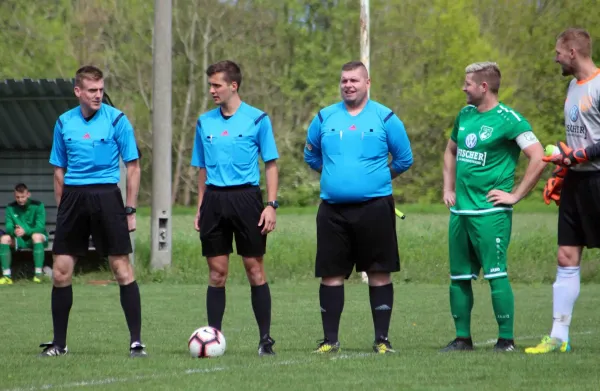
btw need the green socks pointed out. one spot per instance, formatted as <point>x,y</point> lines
<point>38,258</point>
<point>461,304</point>
<point>503,302</point>
<point>5,259</point>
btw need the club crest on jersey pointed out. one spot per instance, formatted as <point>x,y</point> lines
<point>586,103</point>
<point>471,140</point>
<point>485,132</point>
<point>574,113</point>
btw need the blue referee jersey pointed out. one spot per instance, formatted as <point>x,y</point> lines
<point>353,151</point>
<point>229,147</point>
<point>89,149</point>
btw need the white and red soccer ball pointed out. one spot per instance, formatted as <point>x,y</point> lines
<point>207,342</point>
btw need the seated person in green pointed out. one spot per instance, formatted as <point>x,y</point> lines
<point>25,228</point>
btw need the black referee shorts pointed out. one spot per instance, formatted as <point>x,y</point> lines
<point>579,210</point>
<point>361,235</point>
<point>226,212</point>
<point>95,210</point>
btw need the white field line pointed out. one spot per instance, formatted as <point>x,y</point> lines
<point>493,341</point>
<point>193,371</point>
<point>113,380</point>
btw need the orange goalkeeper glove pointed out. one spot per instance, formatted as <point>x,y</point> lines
<point>554,185</point>
<point>567,156</point>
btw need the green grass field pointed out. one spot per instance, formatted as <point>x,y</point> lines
<point>174,305</point>
<point>421,324</point>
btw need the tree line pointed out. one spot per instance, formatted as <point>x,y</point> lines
<point>291,52</point>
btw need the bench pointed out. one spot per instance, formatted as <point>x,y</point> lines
<point>50,222</point>
<point>23,258</point>
<point>48,247</point>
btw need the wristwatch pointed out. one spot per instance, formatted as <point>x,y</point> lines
<point>273,204</point>
<point>129,210</point>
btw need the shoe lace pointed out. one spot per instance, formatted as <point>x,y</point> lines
<point>137,346</point>
<point>384,345</point>
<point>455,342</point>
<point>547,340</point>
<point>267,341</point>
<point>325,345</point>
<point>324,342</point>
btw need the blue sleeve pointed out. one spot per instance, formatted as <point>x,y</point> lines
<point>125,138</point>
<point>312,150</point>
<point>58,154</point>
<point>266,140</point>
<point>398,144</point>
<point>198,149</point>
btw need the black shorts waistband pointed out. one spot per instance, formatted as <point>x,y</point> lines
<point>91,188</point>
<point>358,204</point>
<point>583,174</point>
<point>232,188</point>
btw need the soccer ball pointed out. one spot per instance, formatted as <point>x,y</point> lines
<point>207,342</point>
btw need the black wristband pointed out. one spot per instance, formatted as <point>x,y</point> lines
<point>593,151</point>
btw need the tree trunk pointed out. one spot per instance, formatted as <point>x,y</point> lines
<point>191,172</point>
<point>186,111</point>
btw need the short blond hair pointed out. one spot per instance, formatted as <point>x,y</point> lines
<point>487,71</point>
<point>87,72</point>
<point>578,39</point>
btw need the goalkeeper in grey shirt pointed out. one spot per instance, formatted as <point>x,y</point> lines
<point>575,183</point>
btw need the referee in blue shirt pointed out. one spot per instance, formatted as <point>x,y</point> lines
<point>88,141</point>
<point>349,143</point>
<point>228,142</point>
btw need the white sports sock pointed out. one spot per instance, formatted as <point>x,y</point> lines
<point>566,291</point>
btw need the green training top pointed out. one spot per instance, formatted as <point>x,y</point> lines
<point>486,157</point>
<point>31,217</point>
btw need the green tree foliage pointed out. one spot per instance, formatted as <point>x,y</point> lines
<point>34,39</point>
<point>426,60</point>
<point>291,53</point>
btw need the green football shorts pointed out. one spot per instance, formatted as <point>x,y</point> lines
<point>479,242</point>
<point>21,243</point>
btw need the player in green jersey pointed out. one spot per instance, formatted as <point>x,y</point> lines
<point>25,228</point>
<point>479,169</point>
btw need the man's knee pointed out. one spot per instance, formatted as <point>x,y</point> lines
<point>332,281</point>
<point>6,239</point>
<point>121,268</point>
<point>500,285</point>
<point>569,256</point>
<point>62,270</point>
<point>218,269</point>
<point>38,238</point>
<point>379,279</point>
<point>255,270</point>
